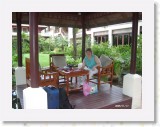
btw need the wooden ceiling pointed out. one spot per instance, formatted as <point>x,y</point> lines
<point>75,19</point>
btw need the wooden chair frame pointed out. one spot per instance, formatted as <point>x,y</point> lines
<point>49,78</point>
<point>55,68</point>
<point>104,71</point>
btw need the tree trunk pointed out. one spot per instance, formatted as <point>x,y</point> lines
<point>74,44</point>
<point>63,48</point>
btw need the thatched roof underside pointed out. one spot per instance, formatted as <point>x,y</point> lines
<point>75,19</point>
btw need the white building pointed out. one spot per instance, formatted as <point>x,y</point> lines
<point>45,31</point>
<point>25,29</point>
<point>119,34</point>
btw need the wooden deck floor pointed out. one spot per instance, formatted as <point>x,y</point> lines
<point>106,98</point>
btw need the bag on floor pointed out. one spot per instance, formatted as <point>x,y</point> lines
<point>86,88</point>
<point>52,97</point>
<point>94,88</point>
<point>89,88</point>
<point>63,100</point>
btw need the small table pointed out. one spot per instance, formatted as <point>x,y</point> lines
<point>74,72</point>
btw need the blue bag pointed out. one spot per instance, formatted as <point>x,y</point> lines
<point>52,97</point>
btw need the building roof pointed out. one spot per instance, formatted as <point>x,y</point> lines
<point>27,25</point>
<point>74,19</point>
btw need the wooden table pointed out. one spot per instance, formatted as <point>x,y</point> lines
<point>74,72</point>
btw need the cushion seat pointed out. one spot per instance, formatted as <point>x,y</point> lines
<point>105,70</point>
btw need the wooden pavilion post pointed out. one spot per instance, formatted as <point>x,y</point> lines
<point>20,71</point>
<point>117,40</point>
<point>132,83</point>
<point>83,36</point>
<point>33,93</point>
<point>33,29</point>
<point>134,43</point>
<point>19,39</point>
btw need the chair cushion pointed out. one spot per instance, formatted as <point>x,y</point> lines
<point>105,60</point>
<point>47,77</point>
<point>59,61</point>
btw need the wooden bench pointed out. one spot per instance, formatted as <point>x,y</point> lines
<point>46,77</point>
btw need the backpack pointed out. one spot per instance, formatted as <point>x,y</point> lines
<point>63,100</point>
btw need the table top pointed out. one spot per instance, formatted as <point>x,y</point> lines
<point>73,72</point>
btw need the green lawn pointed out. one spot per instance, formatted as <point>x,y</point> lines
<point>43,59</point>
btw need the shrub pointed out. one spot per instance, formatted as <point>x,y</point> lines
<point>139,55</point>
<point>121,55</point>
<point>60,42</point>
<point>69,51</point>
<point>25,47</point>
<point>70,60</point>
<point>14,60</point>
<point>102,48</point>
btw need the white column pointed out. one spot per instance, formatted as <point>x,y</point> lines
<point>132,86</point>
<point>20,75</point>
<point>70,35</point>
<point>35,98</point>
<point>52,31</point>
<point>110,37</point>
<point>92,38</point>
<point>138,30</point>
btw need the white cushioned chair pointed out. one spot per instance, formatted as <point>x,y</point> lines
<point>105,70</point>
<point>58,61</point>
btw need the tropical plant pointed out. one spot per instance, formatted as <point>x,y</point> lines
<point>25,43</point>
<point>88,41</point>
<point>102,48</point>
<point>139,55</point>
<point>60,42</point>
<point>121,55</point>
<point>71,61</point>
